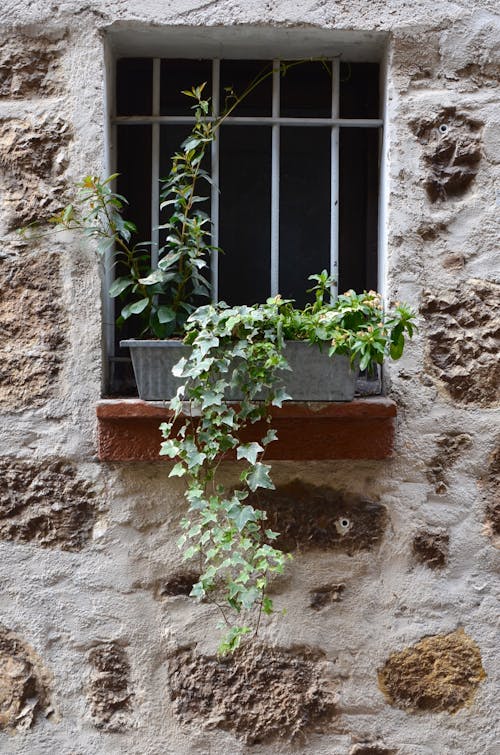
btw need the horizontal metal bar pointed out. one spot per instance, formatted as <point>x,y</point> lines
<point>137,120</point>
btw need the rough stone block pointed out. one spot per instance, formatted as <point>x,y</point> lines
<point>260,693</point>
<point>452,151</point>
<point>33,322</point>
<point>416,58</point>
<point>324,596</point>
<point>483,74</point>
<point>24,684</point>
<point>450,447</point>
<point>46,503</point>
<point>463,330</point>
<point>29,67</point>
<point>431,548</point>
<point>33,158</point>
<point>439,673</point>
<point>317,517</point>
<point>180,583</point>
<point>109,693</point>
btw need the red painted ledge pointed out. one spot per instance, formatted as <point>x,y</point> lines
<point>359,429</point>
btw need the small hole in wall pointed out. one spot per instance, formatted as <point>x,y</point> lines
<point>443,129</point>
<point>343,525</point>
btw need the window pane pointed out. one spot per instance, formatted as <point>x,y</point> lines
<point>134,86</point>
<point>304,208</point>
<point>236,76</point>
<point>306,91</point>
<point>134,167</point>
<point>359,90</point>
<point>179,75</point>
<point>358,213</point>
<point>245,214</point>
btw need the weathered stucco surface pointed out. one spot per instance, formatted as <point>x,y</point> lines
<point>389,644</point>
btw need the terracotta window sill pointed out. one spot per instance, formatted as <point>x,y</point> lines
<point>360,429</point>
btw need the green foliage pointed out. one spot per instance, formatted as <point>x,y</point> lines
<point>241,351</point>
<point>235,350</point>
<point>222,531</point>
<point>161,298</point>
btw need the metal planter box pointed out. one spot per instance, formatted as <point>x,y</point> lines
<point>314,375</point>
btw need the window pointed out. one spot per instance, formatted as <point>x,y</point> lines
<point>296,164</point>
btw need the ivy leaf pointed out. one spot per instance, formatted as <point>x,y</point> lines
<point>211,398</point>
<point>280,396</point>
<point>197,591</point>
<point>271,535</point>
<point>165,428</point>
<point>267,605</point>
<point>249,451</point>
<point>259,477</point>
<point>169,448</point>
<point>246,514</point>
<point>190,552</point>
<point>232,640</point>
<point>269,436</point>
<point>176,403</point>
<point>178,369</point>
<point>177,470</point>
<point>195,459</point>
<point>205,342</point>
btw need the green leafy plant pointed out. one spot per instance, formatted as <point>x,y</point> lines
<point>161,298</point>
<point>242,350</point>
<point>234,349</point>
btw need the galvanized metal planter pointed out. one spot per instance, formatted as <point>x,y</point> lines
<point>152,362</point>
<point>314,376</point>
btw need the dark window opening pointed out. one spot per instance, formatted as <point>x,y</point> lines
<point>245,158</point>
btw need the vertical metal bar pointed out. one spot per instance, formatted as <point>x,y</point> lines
<point>108,304</point>
<point>275,184</point>
<point>155,166</point>
<point>382,283</point>
<point>334,180</point>
<point>214,199</point>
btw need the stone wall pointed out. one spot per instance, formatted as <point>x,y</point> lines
<point>388,645</point>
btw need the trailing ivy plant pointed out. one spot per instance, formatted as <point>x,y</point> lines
<point>241,351</point>
<point>235,351</point>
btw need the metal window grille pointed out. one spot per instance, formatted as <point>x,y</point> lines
<point>276,122</point>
